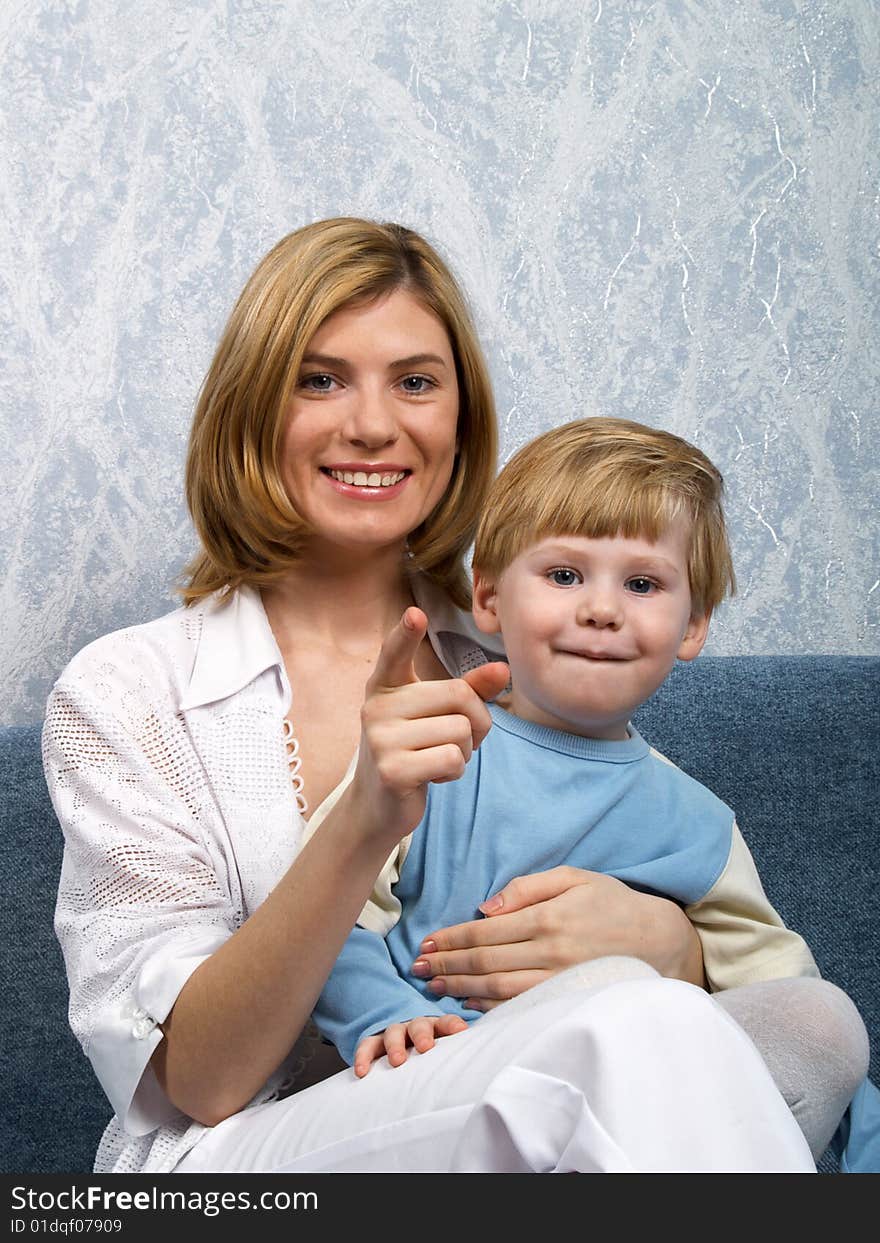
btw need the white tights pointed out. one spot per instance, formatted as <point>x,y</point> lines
<point>605,1067</point>
<point>814,1043</point>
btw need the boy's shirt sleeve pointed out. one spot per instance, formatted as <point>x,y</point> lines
<point>857,1140</point>
<point>364,994</point>
<point>743,937</point>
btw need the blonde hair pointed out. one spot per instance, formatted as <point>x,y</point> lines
<point>249,528</point>
<point>606,477</point>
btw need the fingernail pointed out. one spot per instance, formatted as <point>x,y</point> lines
<point>438,986</point>
<point>421,968</point>
<point>492,905</point>
<point>428,947</point>
<point>407,622</point>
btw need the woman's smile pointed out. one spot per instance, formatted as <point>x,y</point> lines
<point>367,481</point>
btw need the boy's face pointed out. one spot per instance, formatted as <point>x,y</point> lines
<point>592,627</point>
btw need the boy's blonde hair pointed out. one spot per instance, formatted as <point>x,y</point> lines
<point>606,477</point>
<point>249,528</point>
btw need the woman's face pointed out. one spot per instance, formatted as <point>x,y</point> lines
<point>369,438</point>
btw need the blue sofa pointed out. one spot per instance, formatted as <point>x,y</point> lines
<point>791,742</point>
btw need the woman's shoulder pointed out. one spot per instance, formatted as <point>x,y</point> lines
<point>185,659</point>
<point>156,655</point>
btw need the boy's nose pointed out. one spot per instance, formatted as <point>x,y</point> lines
<point>600,611</point>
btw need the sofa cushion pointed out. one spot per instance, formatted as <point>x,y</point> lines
<point>53,1109</point>
<point>791,743</point>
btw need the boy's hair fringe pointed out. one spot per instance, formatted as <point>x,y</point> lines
<point>603,477</point>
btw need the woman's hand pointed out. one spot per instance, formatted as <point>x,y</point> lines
<point>538,925</point>
<point>420,1033</point>
<point>413,732</point>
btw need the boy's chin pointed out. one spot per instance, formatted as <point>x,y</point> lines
<point>604,728</point>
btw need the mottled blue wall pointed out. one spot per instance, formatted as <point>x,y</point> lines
<point>663,210</point>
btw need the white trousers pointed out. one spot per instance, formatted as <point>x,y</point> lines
<point>604,1068</point>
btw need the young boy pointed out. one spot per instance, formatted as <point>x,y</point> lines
<point>599,560</point>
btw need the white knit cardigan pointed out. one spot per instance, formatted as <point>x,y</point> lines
<point>167,764</point>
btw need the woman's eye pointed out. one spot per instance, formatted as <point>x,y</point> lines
<point>564,577</point>
<point>318,382</point>
<point>416,384</point>
<point>640,586</point>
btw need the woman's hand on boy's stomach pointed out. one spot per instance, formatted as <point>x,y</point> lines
<point>536,926</point>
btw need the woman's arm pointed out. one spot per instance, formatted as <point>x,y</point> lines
<point>147,918</point>
<point>239,1013</point>
<point>540,924</point>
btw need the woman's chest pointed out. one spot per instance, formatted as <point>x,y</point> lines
<point>323,730</point>
<point>325,716</point>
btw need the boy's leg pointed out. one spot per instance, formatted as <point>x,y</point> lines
<point>644,1074</point>
<point>814,1043</point>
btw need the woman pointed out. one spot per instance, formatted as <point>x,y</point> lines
<point>232,778</point>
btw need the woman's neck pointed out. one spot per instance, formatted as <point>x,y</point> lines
<point>333,599</point>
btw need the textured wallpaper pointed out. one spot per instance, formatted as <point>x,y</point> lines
<point>668,211</point>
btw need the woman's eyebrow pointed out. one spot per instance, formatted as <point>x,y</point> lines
<point>415,360</point>
<point>324,360</point>
<point>412,360</point>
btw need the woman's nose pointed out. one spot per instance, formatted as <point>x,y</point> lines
<point>372,422</point>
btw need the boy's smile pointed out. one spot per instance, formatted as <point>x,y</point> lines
<point>592,627</point>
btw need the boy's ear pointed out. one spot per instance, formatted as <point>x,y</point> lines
<point>695,636</point>
<point>485,605</point>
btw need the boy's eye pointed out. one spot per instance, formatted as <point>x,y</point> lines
<point>640,586</point>
<point>562,576</point>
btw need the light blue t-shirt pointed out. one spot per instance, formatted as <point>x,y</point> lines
<point>531,798</point>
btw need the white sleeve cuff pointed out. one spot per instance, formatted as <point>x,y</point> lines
<point>127,1034</point>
